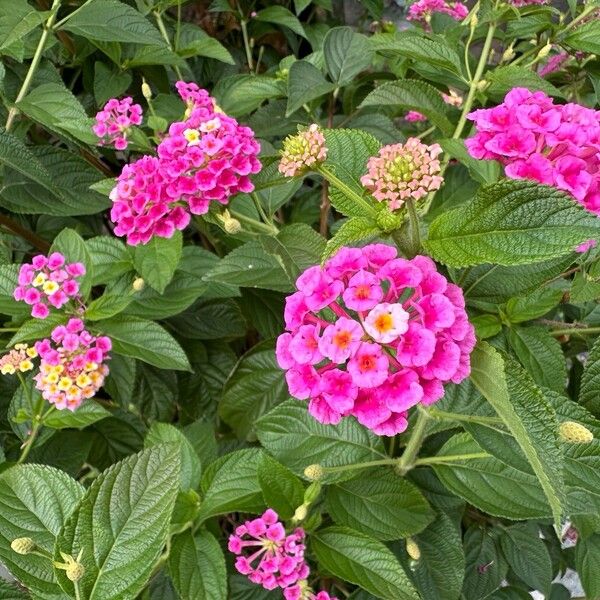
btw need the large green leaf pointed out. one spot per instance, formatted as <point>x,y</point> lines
<point>122,524</point>
<point>298,440</point>
<point>587,561</point>
<point>281,489</point>
<point>503,79</point>
<point>88,413</point>
<point>35,502</point>
<point>347,53</point>
<point>157,260</point>
<point>230,484</point>
<point>589,393</point>
<point>380,504</point>
<point>238,95</point>
<point>256,385</point>
<point>526,413</point>
<point>485,567</point>
<point>197,567</point>
<point>352,231</point>
<point>305,83</point>
<point>146,341</point>
<point>113,21</point>
<point>361,560</point>
<point>412,94</point>
<point>510,223</point>
<point>69,243</point>
<point>279,15</point>
<point>585,37</point>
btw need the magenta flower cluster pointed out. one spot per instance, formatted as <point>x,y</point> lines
<point>47,282</point>
<point>273,558</point>
<point>372,335</point>
<point>423,9</point>
<point>115,120</point>
<point>520,3</point>
<point>72,365</point>
<point>205,158</point>
<point>554,144</point>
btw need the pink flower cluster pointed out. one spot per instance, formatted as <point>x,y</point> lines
<point>423,9</point>
<point>520,3</point>
<point>302,151</point>
<point>72,365</point>
<point>114,121</point>
<point>47,281</point>
<point>401,171</point>
<point>273,558</point>
<point>207,157</point>
<point>554,63</point>
<point>371,335</point>
<point>536,139</point>
<point>412,116</point>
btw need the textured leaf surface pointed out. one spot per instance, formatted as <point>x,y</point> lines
<point>361,560</point>
<point>157,260</point>
<point>589,393</point>
<point>510,223</point>
<point>587,560</point>
<point>297,440</point>
<point>122,524</point>
<point>305,83</point>
<point>281,489</point>
<point>347,53</point>
<point>485,567</point>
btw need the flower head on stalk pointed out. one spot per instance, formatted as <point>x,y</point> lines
<point>302,151</point>
<point>114,122</point>
<point>401,171</point>
<point>18,360</point>
<point>422,10</point>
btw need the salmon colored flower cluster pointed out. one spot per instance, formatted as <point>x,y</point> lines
<point>302,151</point>
<point>115,120</point>
<point>423,9</point>
<point>554,144</point>
<point>267,554</point>
<point>371,335</point>
<point>401,171</point>
<point>18,359</point>
<point>208,157</point>
<point>48,282</point>
<point>72,365</point>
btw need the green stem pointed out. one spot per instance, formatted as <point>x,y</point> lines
<point>77,593</point>
<point>35,61</point>
<point>261,210</point>
<point>244,26</point>
<point>407,460</point>
<point>63,21</point>
<point>163,31</point>
<point>434,460</point>
<point>449,416</point>
<point>28,445</point>
<point>485,54</point>
<point>363,465</point>
<point>413,223</point>
<point>576,331</point>
<point>426,132</point>
<point>584,13</point>
<point>346,190</point>
<point>270,229</point>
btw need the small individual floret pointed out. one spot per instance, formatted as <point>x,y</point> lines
<point>423,9</point>
<point>372,335</point>
<point>303,591</point>
<point>19,359</point>
<point>114,122</point>
<point>268,555</point>
<point>302,151</point>
<point>412,116</point>
<point>48,282</point>
<point>72,365</point>
<point>401,171</point>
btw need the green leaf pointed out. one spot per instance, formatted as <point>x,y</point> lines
<point>282,490</point>
<point>484,566</point>
<point>197,567</point>
<point>510,223</point>
<point>250,266</point>
<point>347,53</point>
<point>526,413</point>
<point>489,484</point>
<point>434,51</point>
<point>589,393</point>
<point>109,83</point>
<point>9,591</point>
<point>439,573</point>
<point>527,555</point>
<point>412,94</point>
<point>146,341</point>
<point>36,329</point>
<point>69,243</point>
<point>107,306</point>
<point>352,231</point>
<point>527,307</point>
<point>585,37</point>
<point>587,561</point>
<point>297,440</point>
<point>157,260</point>
<point>279,15</point>
<point>255,386</point>
<point>110,258</point>
<point>230,484</point>
<point>120,547</point>
<point>540,354</point>
<point>87,414</point>
<point>191,469</point>
<point>35,501</point>
<point>8,283</point>
<point>380,504</point>
<point>305,83</point>
<point>503,79</point>
<point>486,326</point>
<point>194,41</point>
<point>238,95</point>
<point>363,561</point>
<point>113,21</point>
<point>484,171</point>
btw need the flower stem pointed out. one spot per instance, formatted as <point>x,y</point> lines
<point>434,460</point>
<point>407,460</point>
<point>576,331</point>
<point>363,465</point>
<point>449,416</point>
<point>244,26</point>
<point>271,229</point>
<point>35,61</point>
<point>261,210</point>
<point>413,225</point>
<point>163,31</point>
<point>346,190</point>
